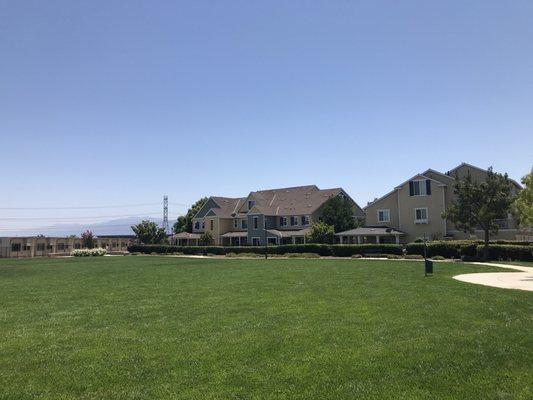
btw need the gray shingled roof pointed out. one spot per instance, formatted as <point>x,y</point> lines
<point>286,234</point>
<point>370,231</point>
<point>186,235</point>
<point>235,234</point>
<point>300,200</point>
<point>228,206</point>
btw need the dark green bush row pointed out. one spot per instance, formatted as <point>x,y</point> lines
<point>349,250</point>
<point>444,248</point>
<point>320,249</point>
<point>470,250</point>
<point>508,252</point>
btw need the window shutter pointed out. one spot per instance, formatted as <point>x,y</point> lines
<point>428,187</point>
<point>411,190</point>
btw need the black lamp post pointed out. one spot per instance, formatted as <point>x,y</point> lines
<point>266,237</point>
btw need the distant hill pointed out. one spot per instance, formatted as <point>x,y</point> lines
<point>120,226</point>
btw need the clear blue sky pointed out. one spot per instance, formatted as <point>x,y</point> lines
<point>120,102</point>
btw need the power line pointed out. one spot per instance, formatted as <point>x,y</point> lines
<point>59,228</point>
<point>148,214</point>
<point>78,207</point>
<point>92,207</point>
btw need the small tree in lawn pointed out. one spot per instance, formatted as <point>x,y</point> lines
<point>338,212</point>
<point>184,222</point>
<point>87,240</point>
<point>478,206</point>
<point>523,203</point>
<point>148,232</point>
<point>321,233</point>
<point>206,239</point>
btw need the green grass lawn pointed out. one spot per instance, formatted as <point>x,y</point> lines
<point>156,327</point>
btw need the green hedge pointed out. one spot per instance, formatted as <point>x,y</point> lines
<point>470,250</point>
<point>350,250</point>
<point>320,249</point>
<point>508,252</point>
<point>444,248</point>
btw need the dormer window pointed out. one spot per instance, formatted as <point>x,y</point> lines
<point>420,187</point>
<point>251,203</point>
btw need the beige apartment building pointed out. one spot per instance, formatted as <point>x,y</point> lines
<point>415,206</point>
<point>42,246</point>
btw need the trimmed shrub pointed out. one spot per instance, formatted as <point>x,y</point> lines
<point>507,252</point>
<point>438,258</point>
<point>468,248</point>
<point>237,255</point>
<point>341,250</point>
<point>302,255</point>
<point>444,248</point>
<point>98,252</point>
<point>320,249</point>
<point>393,256</point>
<point>467,258</point>
<point>413,257</point>
<point>357,256</point>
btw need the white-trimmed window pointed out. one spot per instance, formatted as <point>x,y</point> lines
<point>282,221</point>
<point>251,203</point>
<point>197,225</point>
<point>421,215</point>
<point>383,215</point>
<point>305,220</point>
<point>294,221</point>
<point>255,241</point>
<point>244,224</point>
<point>203,224</point>
<point>256,223</point>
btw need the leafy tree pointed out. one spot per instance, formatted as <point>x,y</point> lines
<point>87,240</point>
<point>206,239</point>
<point>148,232</point>
<point>478,206</point>
<point>338,211</point>
<point>523,203</point>
<point>184,222</point>
<point>321,233</point>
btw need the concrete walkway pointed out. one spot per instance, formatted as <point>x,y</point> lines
<point>507,280</point>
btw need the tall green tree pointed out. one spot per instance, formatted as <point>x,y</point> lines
<point>184,222</point>
<point>480,205</point>
<point>338,212</point>
<point>321,233</point>
<point>148,232</point>
<point>206,239</point>
<point>523,203</point>
<point>87,240</point>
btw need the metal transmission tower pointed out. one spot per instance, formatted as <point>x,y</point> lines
<point>165,214</point>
